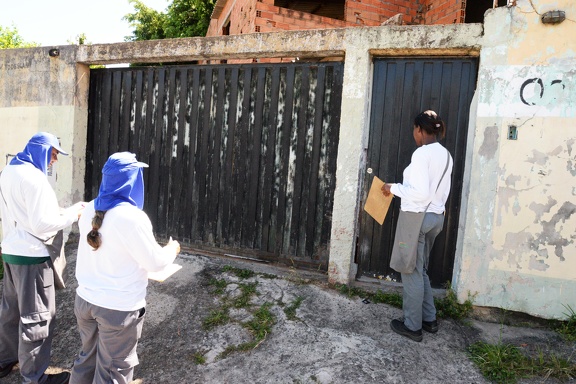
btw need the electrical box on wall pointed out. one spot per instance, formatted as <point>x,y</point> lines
<point>512,132</point>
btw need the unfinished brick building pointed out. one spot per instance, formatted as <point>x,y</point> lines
<point>234,17</point>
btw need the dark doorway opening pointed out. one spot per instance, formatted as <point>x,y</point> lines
<point>475,9</point>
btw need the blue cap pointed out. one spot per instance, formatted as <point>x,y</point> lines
<point>121,162</point>
<point>43,138</point>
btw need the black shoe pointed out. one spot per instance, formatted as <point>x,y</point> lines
<point>399,327</point>
<point>59,378</point>
<point>430,326</point>
<point>5,371</point>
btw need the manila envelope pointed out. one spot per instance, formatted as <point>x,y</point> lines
<point>377,204</point>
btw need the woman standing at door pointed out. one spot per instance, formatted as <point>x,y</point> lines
<point>425,188</point>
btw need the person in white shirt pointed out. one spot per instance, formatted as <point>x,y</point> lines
<point>30,213</point>
<point>424,188</point>
<point>116,251</point>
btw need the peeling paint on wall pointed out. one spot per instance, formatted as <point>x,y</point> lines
<point>490,143</point>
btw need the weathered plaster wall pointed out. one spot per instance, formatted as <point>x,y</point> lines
<point>518,231</point>
<point>43,93</point>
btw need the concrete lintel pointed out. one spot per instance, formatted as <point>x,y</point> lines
<point>458,39</point>
<point>395,52</point>
<point>317,43</point>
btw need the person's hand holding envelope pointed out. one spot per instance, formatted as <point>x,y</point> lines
<point>377,203</point>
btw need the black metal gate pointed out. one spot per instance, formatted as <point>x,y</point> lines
<point>402,88</point>
<point>242,157</point>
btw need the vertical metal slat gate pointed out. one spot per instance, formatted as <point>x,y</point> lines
<point>242,157</point>
<point>402,88</point>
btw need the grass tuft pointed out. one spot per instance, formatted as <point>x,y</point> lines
<point>505,363</point>
<point>290,310</point>
<point>247,291</point>
<point>500,363</point>
<point>199,358</point>
<point>241,273</point>
<point>220,285</point>
<point>394,299</point>
<point>262,322</point>
<point>260,326</point>
<point>216,318</point>
<point>449,307</point>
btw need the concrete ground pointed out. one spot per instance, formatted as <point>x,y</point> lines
<point>330,338</point>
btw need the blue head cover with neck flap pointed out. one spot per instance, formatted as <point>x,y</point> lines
<point>38,151</point>
<point>122,182</point>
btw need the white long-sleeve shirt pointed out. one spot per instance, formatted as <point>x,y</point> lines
<point>29,207</point>
<point>421,177</point>
<point>115,276</point>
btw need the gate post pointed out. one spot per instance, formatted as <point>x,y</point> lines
<point>350,161</point>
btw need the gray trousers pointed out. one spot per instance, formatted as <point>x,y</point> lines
<point>27,319</point>
<point>417,299</point>
<point>109,341</point>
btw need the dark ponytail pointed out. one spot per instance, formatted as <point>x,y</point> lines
<point>93,237</point>
<point>430,122</point>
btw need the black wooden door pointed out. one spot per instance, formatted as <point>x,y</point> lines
<point>402,88</point>
<point>242,157</point>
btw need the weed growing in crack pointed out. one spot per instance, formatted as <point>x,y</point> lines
<point>216,318</point>
<point>499,363</point>
<point>247,291</point>
<point>290,310</point>
<point>505,363</point>
<point>449,307</point>
<point>260,326</point>
<point>220,285</point>
<point>262,319</point>
<point>262,322</point>
<point>240,273</point>
<point>394,299</point>
<point>267,276</point>
<point>199,358</point>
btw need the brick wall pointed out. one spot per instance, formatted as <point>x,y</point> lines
<point>270,18</point>
<point>240,13</point>
<point>248,16</point>
<point>445,11</point>
<point>375,12</point>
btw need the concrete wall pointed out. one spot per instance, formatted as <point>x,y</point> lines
<point>517,237</point>
<point>516,240</point>
<point>43,93</point>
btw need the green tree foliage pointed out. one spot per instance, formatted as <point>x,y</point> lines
<point>183,18</point>
<point>80,39</point>
<point>10,38</point>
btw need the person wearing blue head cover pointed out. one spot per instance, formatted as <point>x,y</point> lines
<point>30,214</point>
<point>117,249</point>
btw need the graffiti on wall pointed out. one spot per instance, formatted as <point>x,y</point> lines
<point>536,92</point>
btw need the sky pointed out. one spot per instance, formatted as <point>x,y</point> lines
<point>56,22</point>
